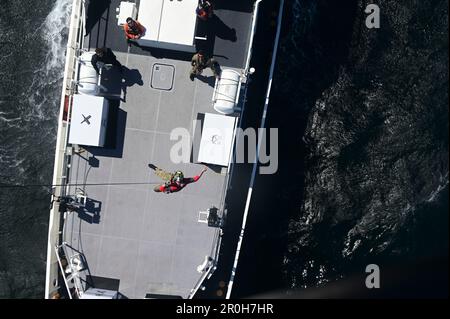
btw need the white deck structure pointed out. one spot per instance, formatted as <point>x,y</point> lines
<point>89,120</point>
<point>217,139</point>
<point>169,24</point>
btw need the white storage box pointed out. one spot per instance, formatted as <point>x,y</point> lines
<point>178,22</point>
<point>169,24</point>
<point>149,15</point>
<point>89,120</point>
<point>217,139</point>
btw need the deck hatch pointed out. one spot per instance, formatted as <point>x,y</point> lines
<point>162,76</point>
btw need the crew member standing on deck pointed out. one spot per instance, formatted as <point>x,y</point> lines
<point>174,182</point>
<point>105,56</point>
<point>199,62</point>
<point>133,29</point>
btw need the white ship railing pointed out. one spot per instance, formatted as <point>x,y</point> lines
<point>252,35</point>
<point>256,160</point>
<point>75,42</point>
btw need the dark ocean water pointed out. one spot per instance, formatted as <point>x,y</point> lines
<point>363,141</point>
<point>363,121</point>
<point>376,139</point>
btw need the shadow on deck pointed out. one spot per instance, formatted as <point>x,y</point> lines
<point>115,133</point>
<point>237,5</point>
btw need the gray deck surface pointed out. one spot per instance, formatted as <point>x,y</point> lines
<point>228,33</point>
<point>151,242</point>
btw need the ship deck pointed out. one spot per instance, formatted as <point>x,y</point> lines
<point>147,242</point>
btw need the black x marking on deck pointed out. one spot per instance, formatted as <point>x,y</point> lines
<point>86,119</point>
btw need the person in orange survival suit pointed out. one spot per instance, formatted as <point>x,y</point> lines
<point>133,29</point>
<point>204,9</point>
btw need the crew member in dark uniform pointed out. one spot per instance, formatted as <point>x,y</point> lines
<point>106,56</point>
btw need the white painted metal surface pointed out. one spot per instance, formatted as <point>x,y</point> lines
<point>88,79</point>
<point>226,92</point>
<point>126,9</point>
<point>178,22</point>
<point>217,139</point>
<point>89,120</point>
<point>169,24</point>
<point>149,15</point>
<point>95,293</point>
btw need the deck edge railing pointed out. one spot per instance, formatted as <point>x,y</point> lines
<point>60,170</point>
<point>256,160</point>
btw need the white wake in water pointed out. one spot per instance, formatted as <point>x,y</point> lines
<point>31,91</point>
<point>44,93</point>
<point>55,30</point>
